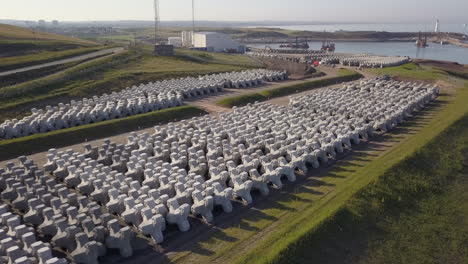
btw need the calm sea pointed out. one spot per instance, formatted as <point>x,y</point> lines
<point>434,51</point>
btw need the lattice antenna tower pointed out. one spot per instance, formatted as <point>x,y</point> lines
<point>156,21</point>
<point>193,15</point>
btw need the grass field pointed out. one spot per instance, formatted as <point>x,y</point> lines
<point>17,41</point>
<point>9,32</point>
<point>272,230</point>
<point>413,71</point>
<point>218,58</point>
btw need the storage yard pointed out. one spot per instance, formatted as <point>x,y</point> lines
<point>330,59</point>
<point>230,169</point>
<point>247,160</point>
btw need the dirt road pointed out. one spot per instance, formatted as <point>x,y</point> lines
<point>58,62</point>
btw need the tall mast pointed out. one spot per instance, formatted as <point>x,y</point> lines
<point>156,21</point>
<point>193,15</point>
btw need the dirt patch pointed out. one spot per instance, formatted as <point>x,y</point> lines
<point>443,64</point>
<point>296,70</point>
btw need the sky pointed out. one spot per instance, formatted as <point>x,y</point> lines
<point>240,10</point>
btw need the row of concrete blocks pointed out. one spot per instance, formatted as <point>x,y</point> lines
<point>54,120</point>
<point>274,56</point>
<point>374,61</point>
<point>192,87</point>
<point>402,100</point>
<point>132,102</point>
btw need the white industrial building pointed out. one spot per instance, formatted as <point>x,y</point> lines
<point>175,41</point>
<point>187,39</point>
<point>215,42</point>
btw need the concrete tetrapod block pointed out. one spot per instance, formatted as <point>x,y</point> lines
<point>178,214</point>
<point>48,226</point>
<point>242,190</point>
<point>14,253</point>
<point>131,215</point>
<point>273,176</point>
<point>120,238</point>
<point>259,182</point>
<point>223,197</point>
<point>87,252</point>
<point>24,260</point>
<point>203,206</point>
<point>152,225</point>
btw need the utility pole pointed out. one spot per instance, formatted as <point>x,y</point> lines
<point>34,34</point>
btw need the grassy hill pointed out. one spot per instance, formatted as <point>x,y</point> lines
<point>19,41</point>
<point>13,33</point>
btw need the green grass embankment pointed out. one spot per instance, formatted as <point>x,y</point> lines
<point>287,90</point>
<point>218,58</point>
<point>412,71</point>
<point>416,212</point>
<point>9,33</point>
<point>41,142</point>
<point>64,84</point>
<point>18,62</point>
<point>22,77</point>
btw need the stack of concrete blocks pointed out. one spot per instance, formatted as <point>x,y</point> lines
<point>72,222</point>
<point>18,242</point>
<point>136,100</point>
<point>354,60</point>
<point>185,170</point>
<point>372,61</point>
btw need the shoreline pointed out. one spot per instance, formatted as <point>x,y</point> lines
<point>450,41</point>
<point>281,36</point>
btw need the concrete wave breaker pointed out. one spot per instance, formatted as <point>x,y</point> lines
<point>124,196</point>
<point>135,100</point>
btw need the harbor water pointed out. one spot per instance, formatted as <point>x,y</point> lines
<point>434,51</point>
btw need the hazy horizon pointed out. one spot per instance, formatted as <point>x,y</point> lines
<point>332,11</point>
